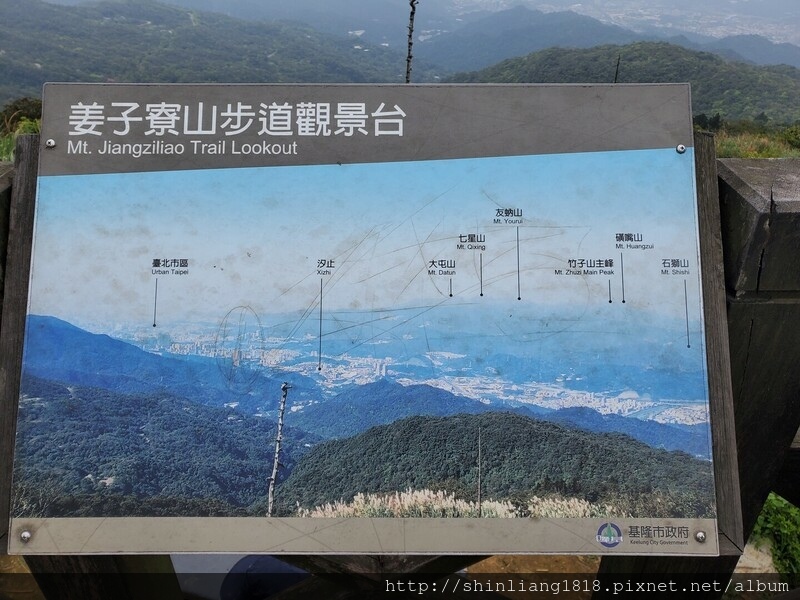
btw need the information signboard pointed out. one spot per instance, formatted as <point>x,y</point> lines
<point>382,319</point>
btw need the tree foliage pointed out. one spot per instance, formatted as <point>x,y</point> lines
<point>521,457</point>
<point>734,90</point>
<point>95,450</point>
<point>779,521</point>
<point>19,111</point>
<point>151,42</point>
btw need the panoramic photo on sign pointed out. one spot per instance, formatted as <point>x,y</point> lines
<point>359,318</point>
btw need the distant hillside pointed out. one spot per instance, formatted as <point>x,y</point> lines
<point>481,42</point>
<point>378,21</point>
<point>733,89</point>
<point>521,457</point>
<point>360,407</point>
<point>692,439</point>
<point>60,351</point>
<point>152,42</point>
<point>754,48</point>
<point>516,32</point>
<point>500,30</point>
<point>57,350</point>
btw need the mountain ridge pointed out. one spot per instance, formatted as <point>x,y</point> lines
<point>97,360</point>
<point>115,434</point>
<point>518,31</point>
<point>520,457</point>
<point>734,90</point>
<point>167,44</point>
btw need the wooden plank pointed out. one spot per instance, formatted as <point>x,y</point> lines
<point>787,482</point>
<point>765,312</point>
<point>16,581</point>
<point>763,227</point>
<point>78,578</point>
<point>6,170</point>
<point>67,577</point>
<point>149,577</point>
<point>764,355</point>
<point>744,233</point>
<point>12,320</point>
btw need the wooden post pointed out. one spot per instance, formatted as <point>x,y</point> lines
<point>409,56</point>
<point>6,169</point>
<point>787,483</point>
<point>14,304</point>
<point>276,462</point>
<point>760,204</point>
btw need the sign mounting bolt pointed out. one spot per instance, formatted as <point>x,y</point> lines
<point>25,536</point>
<point>680,148</point>
<point>700,536</point>
<point>50,143</point>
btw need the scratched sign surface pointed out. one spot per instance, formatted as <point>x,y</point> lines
<point>431,303</point>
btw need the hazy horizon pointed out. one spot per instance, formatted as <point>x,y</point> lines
<point>776,20</point>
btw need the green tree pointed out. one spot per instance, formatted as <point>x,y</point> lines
<point>20,111</point>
